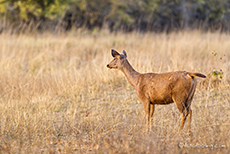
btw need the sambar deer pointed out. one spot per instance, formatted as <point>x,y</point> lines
<point>160,89</point>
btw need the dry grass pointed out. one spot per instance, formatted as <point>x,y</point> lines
<point>57,96</point>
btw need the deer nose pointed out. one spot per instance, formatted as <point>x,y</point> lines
<point>109,66</point>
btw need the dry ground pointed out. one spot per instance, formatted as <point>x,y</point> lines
<point>57,96</point>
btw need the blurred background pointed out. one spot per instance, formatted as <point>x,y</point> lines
<point>115,15</point>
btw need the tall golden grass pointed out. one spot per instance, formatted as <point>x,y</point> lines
<point>57,96</point>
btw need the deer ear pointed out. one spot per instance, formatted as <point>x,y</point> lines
<point>124,53</point>
<point>114,53</point>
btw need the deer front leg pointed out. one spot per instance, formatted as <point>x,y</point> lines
<point>152,109</point>
<point>147,113</point>
<point>147,106</point>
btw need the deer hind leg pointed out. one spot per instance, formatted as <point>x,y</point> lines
<point>184,116</point>
<point>183,103</point>
<point>189,120</point>
<point>183,108</point>
<point>190,97</point>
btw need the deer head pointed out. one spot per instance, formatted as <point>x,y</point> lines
<point>118,60</point>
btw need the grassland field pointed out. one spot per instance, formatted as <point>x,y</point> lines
<point>57,96</point>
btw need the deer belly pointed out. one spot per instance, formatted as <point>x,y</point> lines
<point>162,102</point>
<point>161,99</point>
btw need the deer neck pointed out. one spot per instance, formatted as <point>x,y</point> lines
<point>130,73</point>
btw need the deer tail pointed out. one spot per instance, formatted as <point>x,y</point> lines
<point>196,74</point>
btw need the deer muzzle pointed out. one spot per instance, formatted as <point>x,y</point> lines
<point>109,66</point>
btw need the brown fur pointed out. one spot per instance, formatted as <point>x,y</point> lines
<point>161,89</point>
